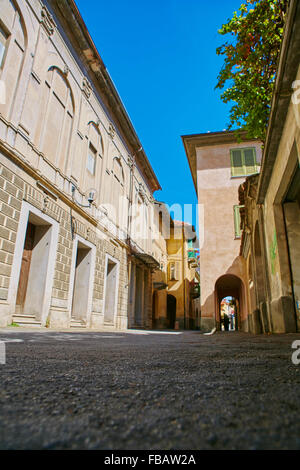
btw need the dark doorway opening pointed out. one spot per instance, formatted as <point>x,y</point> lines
<point>171,311</point>
<point>154,309</point>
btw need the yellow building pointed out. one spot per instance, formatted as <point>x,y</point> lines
<point>176,288</point>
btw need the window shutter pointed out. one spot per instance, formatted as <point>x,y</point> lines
<point>236,163</point>
<point>250,161</point>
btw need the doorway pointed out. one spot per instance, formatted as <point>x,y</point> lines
<point>139,304</point>
<point>229,287</point>
<point>171,311</point>
<point>82,279</point>
<point>111,290</point>
<point>291,211</point>
<point>25,267</point>
<point>34,268</point>
<point>154,309</point>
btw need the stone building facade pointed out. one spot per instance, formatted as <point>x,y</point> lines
<point>270,242</point>
<point>76,187</point>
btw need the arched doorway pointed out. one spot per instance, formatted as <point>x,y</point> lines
<point>229,287</point>
<point>171,311</point>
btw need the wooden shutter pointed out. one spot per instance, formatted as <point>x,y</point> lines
<point>236,163</point>
<point>250,161</point>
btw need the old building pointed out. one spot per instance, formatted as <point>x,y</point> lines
<point>76,187</point>
<point>271,217</point>
<point>219,162</point>
<point>176,287</point>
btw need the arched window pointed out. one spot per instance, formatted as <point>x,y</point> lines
<point>118,170</point>
<point>12,50</point>
<point>95,148</point>
<point>59,119</point>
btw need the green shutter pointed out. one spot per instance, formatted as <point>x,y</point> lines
<point>250,161</point>
<point>236,163</point>
<point>243,162</point>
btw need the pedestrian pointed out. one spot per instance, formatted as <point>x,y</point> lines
<point>226,322</point>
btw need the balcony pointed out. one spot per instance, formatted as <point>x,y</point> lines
<point>193,256</point>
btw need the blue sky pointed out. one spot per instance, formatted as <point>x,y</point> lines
<point>161,56</point>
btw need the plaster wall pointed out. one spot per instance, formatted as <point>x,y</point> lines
<point>217,195</point>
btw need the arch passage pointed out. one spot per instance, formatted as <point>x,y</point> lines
<point>229,285</point>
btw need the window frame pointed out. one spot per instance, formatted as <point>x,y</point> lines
<point>91,151</point>
<point>7,35</point>
<point>245,173</point>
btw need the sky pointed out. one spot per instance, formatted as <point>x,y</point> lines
<point>161,56</point>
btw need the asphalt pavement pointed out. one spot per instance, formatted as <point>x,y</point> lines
<point>141,390</point>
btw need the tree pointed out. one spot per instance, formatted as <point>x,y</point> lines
<point>250,63</point>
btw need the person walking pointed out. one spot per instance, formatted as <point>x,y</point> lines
<point>226,322</point>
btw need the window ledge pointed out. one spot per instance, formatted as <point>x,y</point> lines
<point>244,176</point>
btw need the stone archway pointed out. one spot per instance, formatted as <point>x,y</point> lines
<point>229,285</point>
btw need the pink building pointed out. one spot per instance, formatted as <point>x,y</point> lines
<point>219,164</point>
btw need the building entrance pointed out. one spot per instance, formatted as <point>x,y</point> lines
<point>111,290</point>
<point>228,287</point>
<point>171,311</point>
<point>34,268</point>
<point>291,210</point>
<point>81,283</point>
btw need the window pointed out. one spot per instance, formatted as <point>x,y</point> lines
<point>160,222</point>
<point>237,221</point>
<point>243,162</point>
<point>3,39</point>
<point>118,170</point>
<point>58,122</point>
<point>173,271</point>
<point>91,160</point>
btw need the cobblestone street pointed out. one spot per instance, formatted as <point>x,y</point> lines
<point>143,390</point>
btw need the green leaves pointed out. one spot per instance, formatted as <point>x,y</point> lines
<point>250,63</point>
